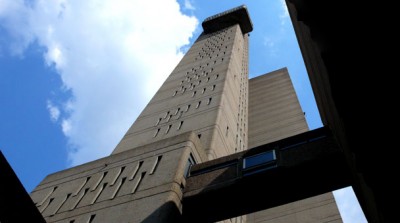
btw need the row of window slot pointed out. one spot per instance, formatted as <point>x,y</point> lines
<point>207,49</point>
<point>208,55</point>
<point>195,75</point>
<point>168,116</point>
<point>183,89</point>
<point>98,193</point>
<point>98,182</point>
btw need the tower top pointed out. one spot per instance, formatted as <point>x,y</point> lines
<point>238,15</point>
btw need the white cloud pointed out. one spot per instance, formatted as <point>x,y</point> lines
<point>270,44</point>
<point>112,55</point>
<point>54,111</point>
<point>284,15</point>
<point>188,5</point>
<point>348,205</point>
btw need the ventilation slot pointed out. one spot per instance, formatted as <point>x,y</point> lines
<point>91,218</point>
<point>117,175</point>
<point>136,187</point>
<point>79,199</point>
<point>136,170</point>
<point>98,193</point>
<point>198,104</point>
<point>168,128</point>
<point>99,181</point>
<point>47,196</point>
<point>180,125</point>
<point>46,205</point>
<point>156,133</point>
<point>81,187</point>
<point>118,187</point>
<point>61,204</point>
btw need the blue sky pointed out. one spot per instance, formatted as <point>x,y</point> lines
<point>74,75</point>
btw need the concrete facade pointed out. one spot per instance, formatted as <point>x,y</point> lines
<point>204,110</point>
<point>275,114</point>
<point>205,93</point>
<point>140,185</point>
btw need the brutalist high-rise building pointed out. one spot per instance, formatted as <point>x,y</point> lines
<point>206,109</point>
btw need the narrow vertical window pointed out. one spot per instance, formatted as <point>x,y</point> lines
<point>97,195</point>
<point>168,128</point>
<point>155,165</point>
<point>174,93</point>
<point>216,76</point>
<point>209,101</point>
<point>117,175</point>
<point>187,108</point>
<point>99,180</point>
<point>91,218</point>
<point>119,185</point>
<point>166,114</point>
<point>213,87</point>
<point>194,93</point>
<point>177,110</point>
<point>227,130</point>
<point>61,204</point>
<point>204,90</point>
<point>156,133</point>
<point>180,125</point>
<point>158,121</point>
<point>46,205</point>
<point>199,136</point>
<point>136,170</point>
<point>50,193</point>
<point>180,115</point>
<point>168,118</point>
<point>208,79</point>
<point>79,198</point>
<point>198,104</point>
<point>136,186</point>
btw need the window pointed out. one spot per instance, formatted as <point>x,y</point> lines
<point>194,93</point>
<point>155,165</point>
<point>177,110</point>
<point>174,93</point>
<point>168,128</point>
<point>156,133</point>
<point>158,121</point>
<point>191,161</point>
<point>209,101</point>
<point>259,159</point>
<point>166,114</point>
<point>187,108</point>
<point>91,218</point>
<point>198,104</point>
<point>180,125</point>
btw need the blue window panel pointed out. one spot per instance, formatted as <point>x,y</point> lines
<point>259,159</point>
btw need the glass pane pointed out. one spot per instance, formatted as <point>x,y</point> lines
<point>259,159</point>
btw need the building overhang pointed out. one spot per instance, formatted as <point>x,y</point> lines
<point>238,15</point>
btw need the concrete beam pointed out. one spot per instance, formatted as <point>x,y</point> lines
<point>274,174</point>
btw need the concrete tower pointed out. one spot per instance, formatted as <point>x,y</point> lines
<point>205,93</point>
<point>200,113</point>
